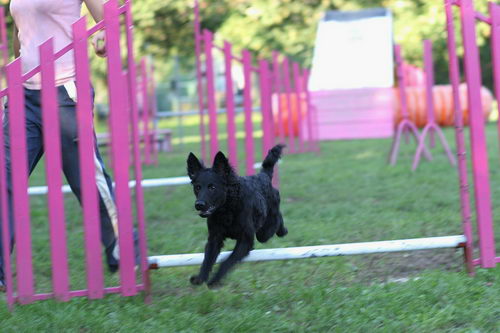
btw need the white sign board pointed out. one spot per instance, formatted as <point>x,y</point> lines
<point>353,50</point>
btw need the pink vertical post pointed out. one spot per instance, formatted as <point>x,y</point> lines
<point>232,144</point>
<point>265,106</point>
<point>53,169</point>
<point>90,197</point>
<point>298,98</point>
<point>429,85</point>
<point>134,120</point>
<point>247,106</point>
<point>495,51</point>
<point>454,72</point>
<point>482,191</point>
<point>277,89</point>
<point>145,112</point>
<point>199,79</point>
<point>288,92</point>
<point>212,105</point>
<point>4,204</point>
<point>309,114</point>
<point>19,163</point>
<point>153,108</point>
<point>120,148</point>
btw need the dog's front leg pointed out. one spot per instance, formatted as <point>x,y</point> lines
<point>241,250</point>
<point>212,250</point>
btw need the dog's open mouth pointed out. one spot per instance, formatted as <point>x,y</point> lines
<point>208,212</point>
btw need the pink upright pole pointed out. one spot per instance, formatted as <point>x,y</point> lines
<point>4,215</point>
<point>19,163</point>
<point>90,197</point>
<point>298,97</point>
<point>288,91</point>
<point>454,72</point>
<point>232,144</point>
<point>247,106</point>
<point>265,107</point>
<point>495,51</point>
<point>134,121</point>
<point>309,114</point>
<point>154,110</point>
<point>145,112</point>
<point>120,148</point>
<point>53,170</point>
<point>212,105</point>
<point>199,79</point>
<point>277,89</point>
<point>479,152</point>
<point>431,126</point>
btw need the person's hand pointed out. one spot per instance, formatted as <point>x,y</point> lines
<point>99,43</point>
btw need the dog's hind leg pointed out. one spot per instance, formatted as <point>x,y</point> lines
<point>282,230</point>
<point>241,250</point>
<point>212,250</point>
<point>268,229</point>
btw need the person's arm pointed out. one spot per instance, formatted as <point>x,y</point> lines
<point>15,42</point>
<point>98,41</point>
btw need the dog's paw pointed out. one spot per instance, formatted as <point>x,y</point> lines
<point>282,232</point>
<point>196,280</point>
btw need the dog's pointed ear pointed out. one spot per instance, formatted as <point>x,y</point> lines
<point>221,164</point>
<point>193,165</point>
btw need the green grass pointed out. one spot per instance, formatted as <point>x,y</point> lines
<point>347,193</point>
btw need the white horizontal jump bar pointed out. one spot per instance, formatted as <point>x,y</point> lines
<point>317,251</point>
<point>146,183</point>
<point>41,190</point>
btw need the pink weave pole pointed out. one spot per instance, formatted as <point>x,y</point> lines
<point>265,107</point>
<point>247,106</point>
<point>134,122</point>
<point>145,112</point>
<point>406,125</point>
<point>4,204</point>
<point>53,170</point>
<point>120,148</point>
<point>278,87</point>
<point>298,98</point>
<point>153,113</point>
<point>232,143</point>
<point>212,104</point>
<point>199,81</point>
<point>22,227</point>
<point>289,110</point>
<point>494,10</point>
<point>479,151</point>
<point>431,126</point>
<point>454,72</point>
<point>90,203</point>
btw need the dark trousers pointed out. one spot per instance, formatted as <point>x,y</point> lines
<point>70,160</point>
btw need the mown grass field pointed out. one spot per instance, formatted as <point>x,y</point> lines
<point>347,193</point>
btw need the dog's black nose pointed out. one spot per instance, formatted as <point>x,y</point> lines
<point>200,205</point>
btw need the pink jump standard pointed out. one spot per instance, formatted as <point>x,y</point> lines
<point>479,152</point>
<point>123,114</point>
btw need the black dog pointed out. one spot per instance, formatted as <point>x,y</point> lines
<point>236,207</point>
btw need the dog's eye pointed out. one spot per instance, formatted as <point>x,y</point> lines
<point>211,187</point>
<point>197,187</point>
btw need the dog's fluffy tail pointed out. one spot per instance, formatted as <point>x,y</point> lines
<point>273,155</point>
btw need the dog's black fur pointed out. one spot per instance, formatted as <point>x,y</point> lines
<point>236,207</point>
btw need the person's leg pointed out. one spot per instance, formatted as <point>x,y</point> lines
<point>34,148</point>
<point>71,169</point>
